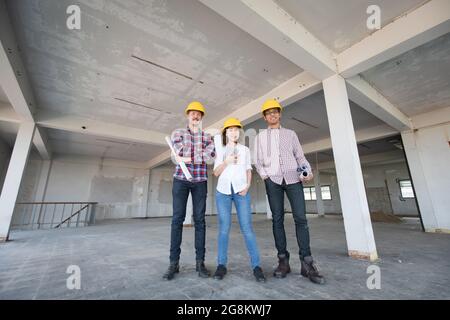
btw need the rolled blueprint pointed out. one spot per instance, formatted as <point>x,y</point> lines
<point>183,167</point>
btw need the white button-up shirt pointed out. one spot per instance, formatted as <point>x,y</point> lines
<point>234,174</point>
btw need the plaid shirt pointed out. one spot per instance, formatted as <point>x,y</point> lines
<point>197,146</point>
<point>278,154</point>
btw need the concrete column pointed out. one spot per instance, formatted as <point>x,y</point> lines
<point>355,209</point>
<point>142,197</point>
<point>319,201</point>
<point>42,187</point>
<point>14,176</point>
<point>428,156</point>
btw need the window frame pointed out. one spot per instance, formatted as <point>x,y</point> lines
<point>310,191</point>
<point>399,181</point>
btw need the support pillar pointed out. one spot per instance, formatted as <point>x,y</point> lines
<point>355,209</point>
<point>428,154</point>
<point>13,179</point>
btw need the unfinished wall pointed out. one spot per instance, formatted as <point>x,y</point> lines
<point>332,206</point>
<point>120,190</point>
<point>382,189</point>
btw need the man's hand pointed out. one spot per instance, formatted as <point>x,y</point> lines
<point>307,178</point>
<point>183,159</point>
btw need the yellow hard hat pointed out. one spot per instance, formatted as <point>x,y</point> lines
<point>195,105</point>
<point>269,104</point>
<point>231,122</point>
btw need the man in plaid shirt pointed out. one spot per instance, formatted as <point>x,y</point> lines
<point>282,165</point>
<point>195,148</point>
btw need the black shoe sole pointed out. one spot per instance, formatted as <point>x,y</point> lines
<point>173,276</point>
<point>281,276</point>
<point>201,275</point>
<point>322,281</point>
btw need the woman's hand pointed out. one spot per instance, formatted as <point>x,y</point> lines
<point>244,192</point>
<point>231,159</point>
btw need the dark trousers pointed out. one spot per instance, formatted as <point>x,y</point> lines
<point>180,194</point>
<point>294,192</point>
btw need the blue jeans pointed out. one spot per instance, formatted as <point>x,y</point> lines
<point>244,214</point>
<point>180,194</point>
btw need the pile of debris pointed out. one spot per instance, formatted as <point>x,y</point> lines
<point>379,216</point>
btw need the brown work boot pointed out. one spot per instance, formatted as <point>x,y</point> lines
<point>311,271</point>
<point>283,266</point>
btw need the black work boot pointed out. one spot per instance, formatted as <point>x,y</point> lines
<point>310,270</point>
<point>259,275</point>
<point>283,266</point>
<point>201,269</point>
<point>220,272</point>
<point>170,273</point>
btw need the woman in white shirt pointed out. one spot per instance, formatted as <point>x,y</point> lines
<point>233,167</point>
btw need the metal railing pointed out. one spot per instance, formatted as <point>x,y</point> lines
<point>52,215</point>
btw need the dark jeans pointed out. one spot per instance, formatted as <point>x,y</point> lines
<point>275,193</point>
<point>180,194</point>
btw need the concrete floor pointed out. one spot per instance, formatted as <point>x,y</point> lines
<point>125,260</point>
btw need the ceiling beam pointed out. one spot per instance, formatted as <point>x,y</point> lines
<point>14,80</point>
<point>409,31</point>
<point>370,99</point>
<point>288,92</point>
<point>71,123</point>
<point>375,158</point>
<point>363,135</point>
<point>433,118</point>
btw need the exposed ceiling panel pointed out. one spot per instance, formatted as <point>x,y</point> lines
<point>417,81</point>
<point>341,24</point>
<point>158,55</point>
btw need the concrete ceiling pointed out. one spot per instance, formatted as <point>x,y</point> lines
<point>140,63</point>
<point>79,144</point>
<point>340,26</point>
<point>417,81</point>
<point>308,118</point>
